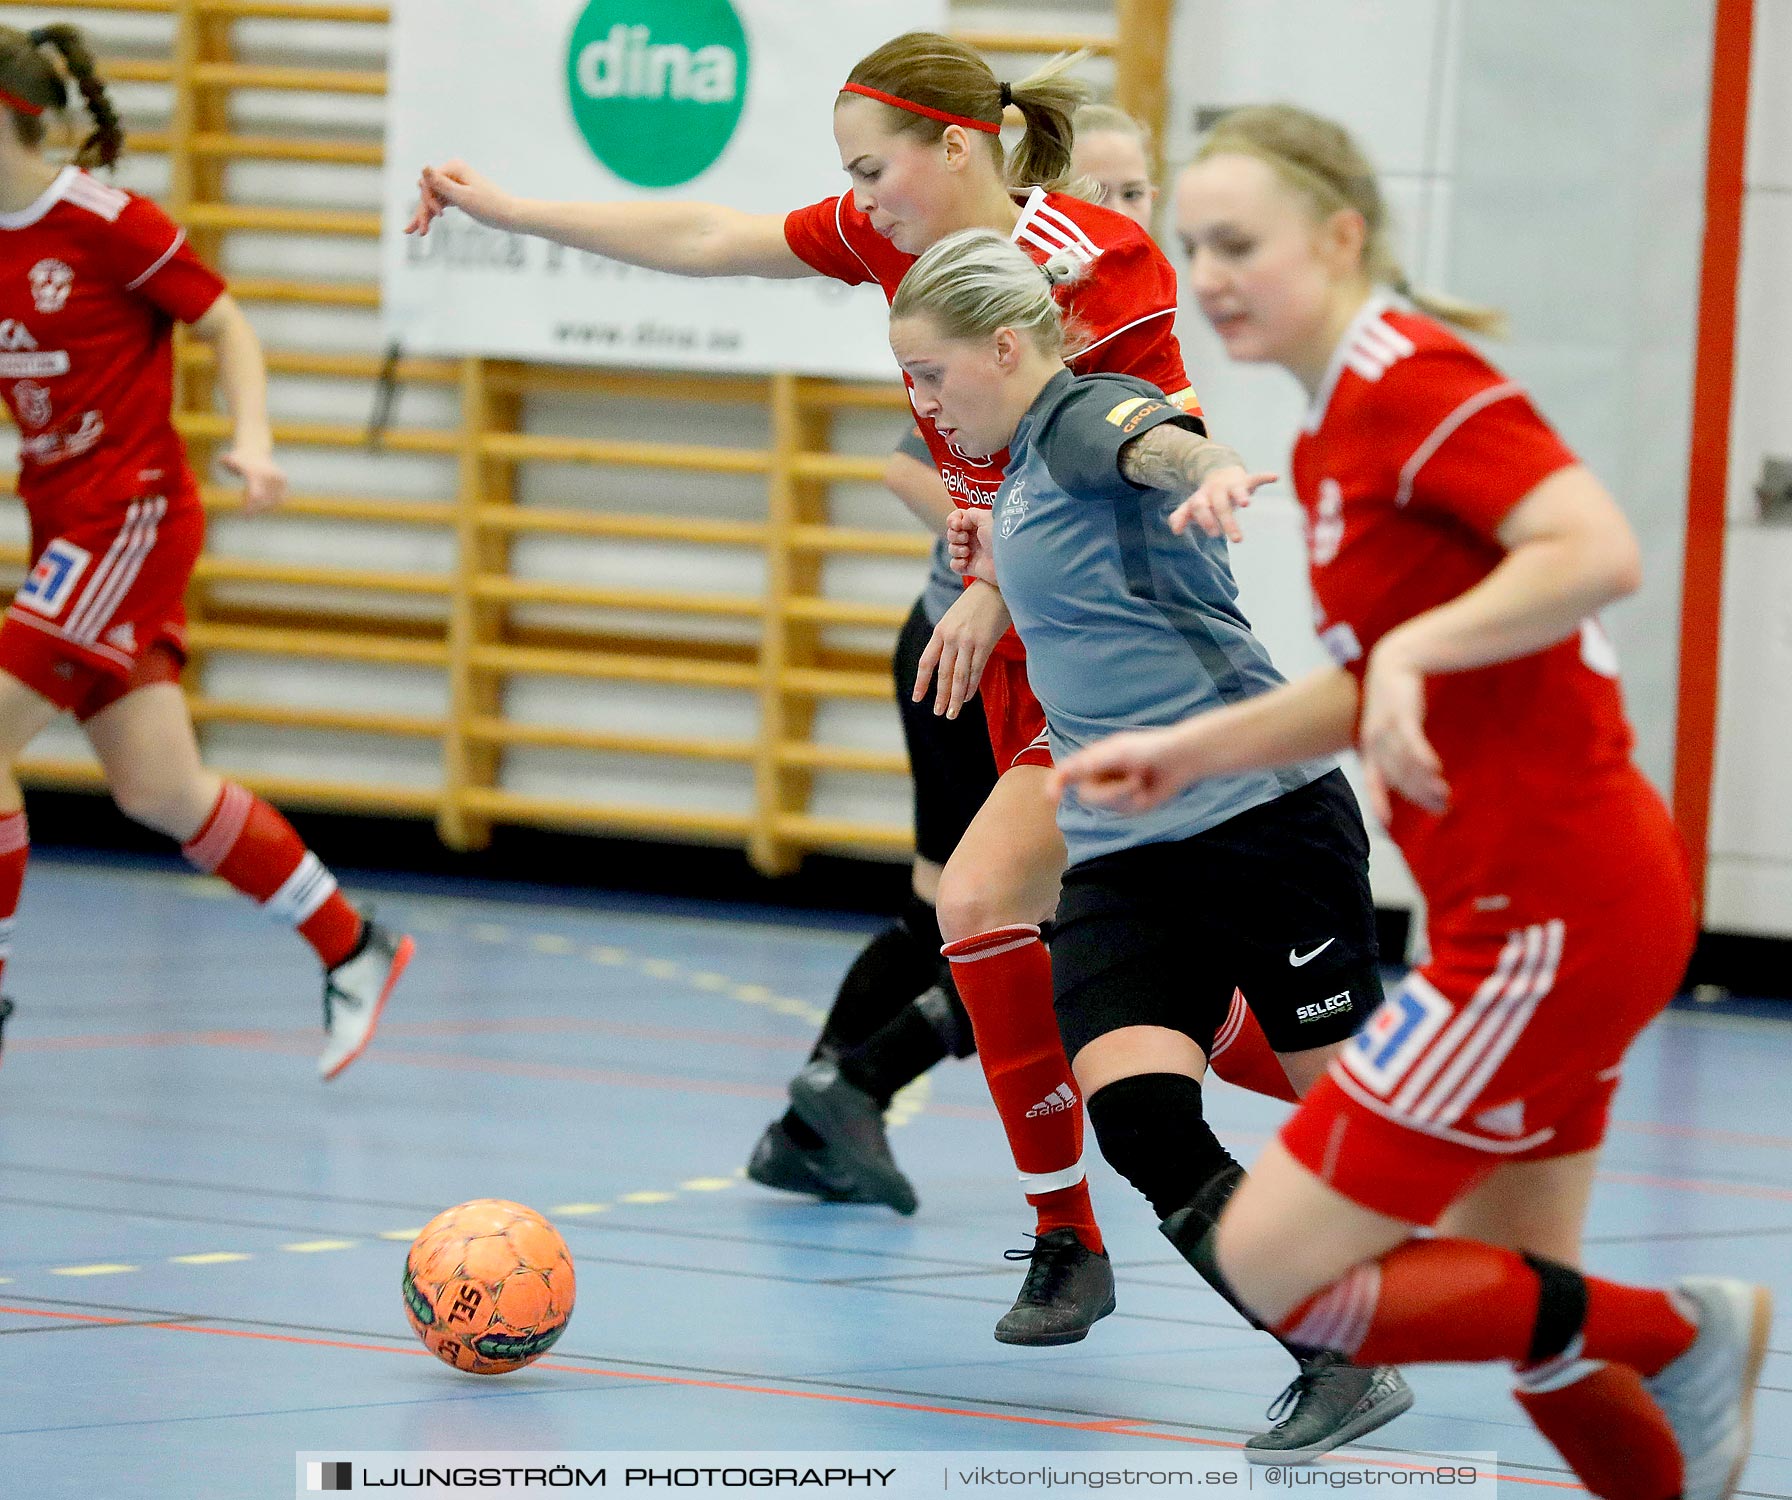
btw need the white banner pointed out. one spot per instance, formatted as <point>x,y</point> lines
<point>721,101</point>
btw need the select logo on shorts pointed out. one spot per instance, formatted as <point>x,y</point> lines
<point>53,578</point>
<point>657,86</point>
<point>1320,1009</point>
<point>331,1476</point>
<point>1128,414</point>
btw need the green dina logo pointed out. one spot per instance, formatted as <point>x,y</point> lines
<point>657,86</point>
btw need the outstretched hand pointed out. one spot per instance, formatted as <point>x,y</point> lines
<point>1130,772</point>
<point>1215,506</point>
<point>456,185</point>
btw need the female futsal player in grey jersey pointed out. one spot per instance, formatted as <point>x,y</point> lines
<point>1127,624</point>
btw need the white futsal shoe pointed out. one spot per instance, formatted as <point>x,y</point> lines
<point>355,993</point>
<point>1708,1393</point>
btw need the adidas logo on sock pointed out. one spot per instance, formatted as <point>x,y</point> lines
<point>1061,1098</point>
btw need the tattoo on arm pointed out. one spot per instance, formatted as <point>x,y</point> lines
<point>1173,458</point>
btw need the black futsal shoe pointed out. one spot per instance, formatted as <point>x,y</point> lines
<point>851,1125</point>
<point>779,1162</point>
<point>1068,1287</point>
<point>1330,1403</point>
<point>5,1011</point>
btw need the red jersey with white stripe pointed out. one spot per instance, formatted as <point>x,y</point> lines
<point>1124,312</point>
<point>1414,451</point>
<point>1560,916</point>
<point>92,279</point>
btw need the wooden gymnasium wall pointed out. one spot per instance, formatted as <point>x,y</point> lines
<point>416,633</point>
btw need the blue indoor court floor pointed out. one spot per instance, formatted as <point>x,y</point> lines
<point>201,1246</point>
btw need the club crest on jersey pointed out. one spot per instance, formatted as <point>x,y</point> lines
<point>1014,506</point>
<point>32,402</point>
<point>51,281</point>
<point>53,577</point>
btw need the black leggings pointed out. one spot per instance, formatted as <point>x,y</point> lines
<point>953,767</point>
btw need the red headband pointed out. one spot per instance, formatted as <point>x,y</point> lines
<point>23,106</point>
<point>920,109</point>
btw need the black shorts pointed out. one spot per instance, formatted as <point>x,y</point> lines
<point>1274,902</point>
<point>953,766</point>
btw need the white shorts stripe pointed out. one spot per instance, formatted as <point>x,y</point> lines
<point>1461,1026</point>
<point>98,615</point>
<point>1343,1078</point>
<point>1545,980</point>
<point>97,579</point>
<point>1228,1033</point>
<point>1488,1030</point>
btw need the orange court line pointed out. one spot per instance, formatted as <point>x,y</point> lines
<point>1120,1426</point>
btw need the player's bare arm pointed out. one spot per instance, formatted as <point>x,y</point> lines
<point>243,375</point>
<point>1302,720</point>
<point>920,488</point>
<point>1569,554</point>
<point>685,239</point>
<point>1173,458</point>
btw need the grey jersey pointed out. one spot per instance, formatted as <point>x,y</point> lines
<point>943,585</point>
<point>1126,625</point>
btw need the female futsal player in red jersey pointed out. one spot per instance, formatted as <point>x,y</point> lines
<point>1459,554</point>
<point>92,280</point>
<point>917,125</point>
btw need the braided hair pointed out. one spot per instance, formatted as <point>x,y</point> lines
<point>30,77</point>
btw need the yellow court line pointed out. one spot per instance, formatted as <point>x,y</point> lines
<point>99,1270</point>
<point>647,1197</point>
<point>579,1210</point>
<point>208,1258</point>
<point>311,1247</point>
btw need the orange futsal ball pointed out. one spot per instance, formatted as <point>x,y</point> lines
<point>488,1286</point>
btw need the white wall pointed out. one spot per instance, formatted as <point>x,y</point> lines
<point>1322,56</point>
<point>1520,174</point>
<point>1750,886</point>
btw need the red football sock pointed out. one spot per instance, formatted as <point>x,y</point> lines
<point>1460,1300</point>
<point>248,843</point>
<point>1243,1057</point>
<point>1606,1425</point>
<point>1004,978</point>
<point>15,849</point>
